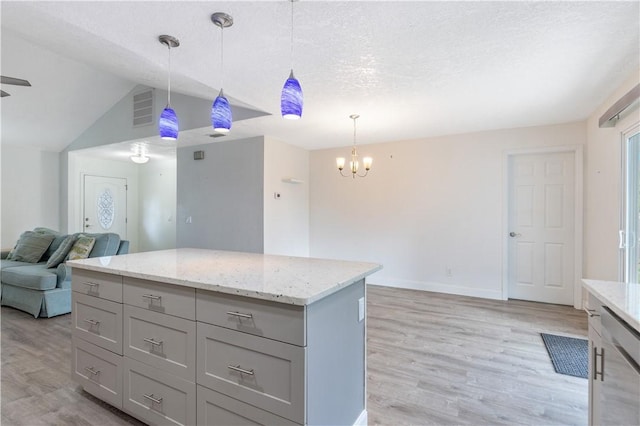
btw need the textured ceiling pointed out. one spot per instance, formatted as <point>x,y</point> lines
<point>410,69</point>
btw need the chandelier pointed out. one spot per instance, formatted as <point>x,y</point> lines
<point>354,164</point>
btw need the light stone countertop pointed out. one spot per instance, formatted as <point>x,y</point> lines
<point>283,279</point>
<point>622,298</point>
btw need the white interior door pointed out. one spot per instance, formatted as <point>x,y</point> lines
<point>541,227</point>
<point>105,205</point>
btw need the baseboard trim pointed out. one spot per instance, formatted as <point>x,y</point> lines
<point>439,288</point>
<point>362,419</point>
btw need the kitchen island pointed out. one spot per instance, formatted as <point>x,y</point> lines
<point>194,336</point>
<point>614,352</point>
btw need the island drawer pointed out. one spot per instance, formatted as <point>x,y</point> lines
<point>97,284</point>
<point>158,397</point>
<point>261,372</point>
<point>97,321</point>
<point>277,321</point>
<point>159,297</point>
<point>217,409</point>
<point>162,341</point>
<point>98,371</point>
<point>594,309</point>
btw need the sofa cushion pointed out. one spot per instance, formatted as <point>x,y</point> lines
<point>55,244</point>
<point>43,230</point>
<point>31,246</point>
<point>61,252</point>
<point>106,244</point>
<point>4,264</point>
<point>81,247</point>
<point>35,277</point>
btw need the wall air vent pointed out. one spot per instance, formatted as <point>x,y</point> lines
<point>143,108</point>
<point>217,135</point>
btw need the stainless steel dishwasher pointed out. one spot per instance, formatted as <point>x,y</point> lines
<point>620,369</point>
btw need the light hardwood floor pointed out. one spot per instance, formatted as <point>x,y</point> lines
<point>432,359</point>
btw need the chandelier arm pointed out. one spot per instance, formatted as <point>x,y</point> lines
<point>343,175</point>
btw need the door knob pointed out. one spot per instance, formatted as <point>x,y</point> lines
<point>514,234</point>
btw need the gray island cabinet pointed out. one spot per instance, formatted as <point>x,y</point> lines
<point>193,336</point>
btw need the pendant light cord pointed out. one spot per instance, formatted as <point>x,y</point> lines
<point>292,35</point>
<point>169,77</point>
<point>221,56</point>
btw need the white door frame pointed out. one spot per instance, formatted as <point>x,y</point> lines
<point>577,150</point>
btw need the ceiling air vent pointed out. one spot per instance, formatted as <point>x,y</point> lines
<point>143,108</point>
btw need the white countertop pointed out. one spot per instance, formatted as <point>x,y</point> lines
<point>284,279</point>
<point>621,298</point>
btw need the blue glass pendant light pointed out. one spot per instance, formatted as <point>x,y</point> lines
<point>291,99</point>
<point>168,122</point>
<point>221,118</point>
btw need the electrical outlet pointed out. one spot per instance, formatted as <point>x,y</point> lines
<point>449,271</point>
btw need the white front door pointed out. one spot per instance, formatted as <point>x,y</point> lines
<point>541,227</point>
<point>105,205</point>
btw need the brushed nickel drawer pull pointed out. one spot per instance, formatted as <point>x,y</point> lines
<point>240,370</point>
<point>151,296</point>
<point>92,322</point>
<point>153,342</point>
<point>151,398</point>
<point>591,312</point>
<point>90,284</point>
<point>241,315</point>
<point>92,370</point>
<point>597,355</point>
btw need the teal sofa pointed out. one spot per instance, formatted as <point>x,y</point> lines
<point>46,292</point>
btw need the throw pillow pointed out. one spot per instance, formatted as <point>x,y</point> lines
<point>61,252</point>
<point>81,248</point>
<point>31,246</point>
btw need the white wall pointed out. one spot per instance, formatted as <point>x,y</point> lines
<point>80,165</point>
<point>30,191</point>
<point>603,188</point>
<point>157,205</point>
<point>286,219</point>
<point>427,205</point>
<point>221,197</point>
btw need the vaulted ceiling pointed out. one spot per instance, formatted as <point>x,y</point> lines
<point>410,69</point>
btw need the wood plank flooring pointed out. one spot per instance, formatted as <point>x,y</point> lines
<point>432,359</point>
<point>444,359</point>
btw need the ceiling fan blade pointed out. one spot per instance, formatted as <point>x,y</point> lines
<point>14,81</point>
<point>3,94</point>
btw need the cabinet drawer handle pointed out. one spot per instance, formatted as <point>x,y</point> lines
<point>239,314</point>
<point>151,296</point>
<point>597,355</point>
<point>90,284</point>
<point>152,398</point>
<point>240,370</point>
<point>92,322</point>
<point>153,342</point>
<point>591,312</point>
<point>92,371</point>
